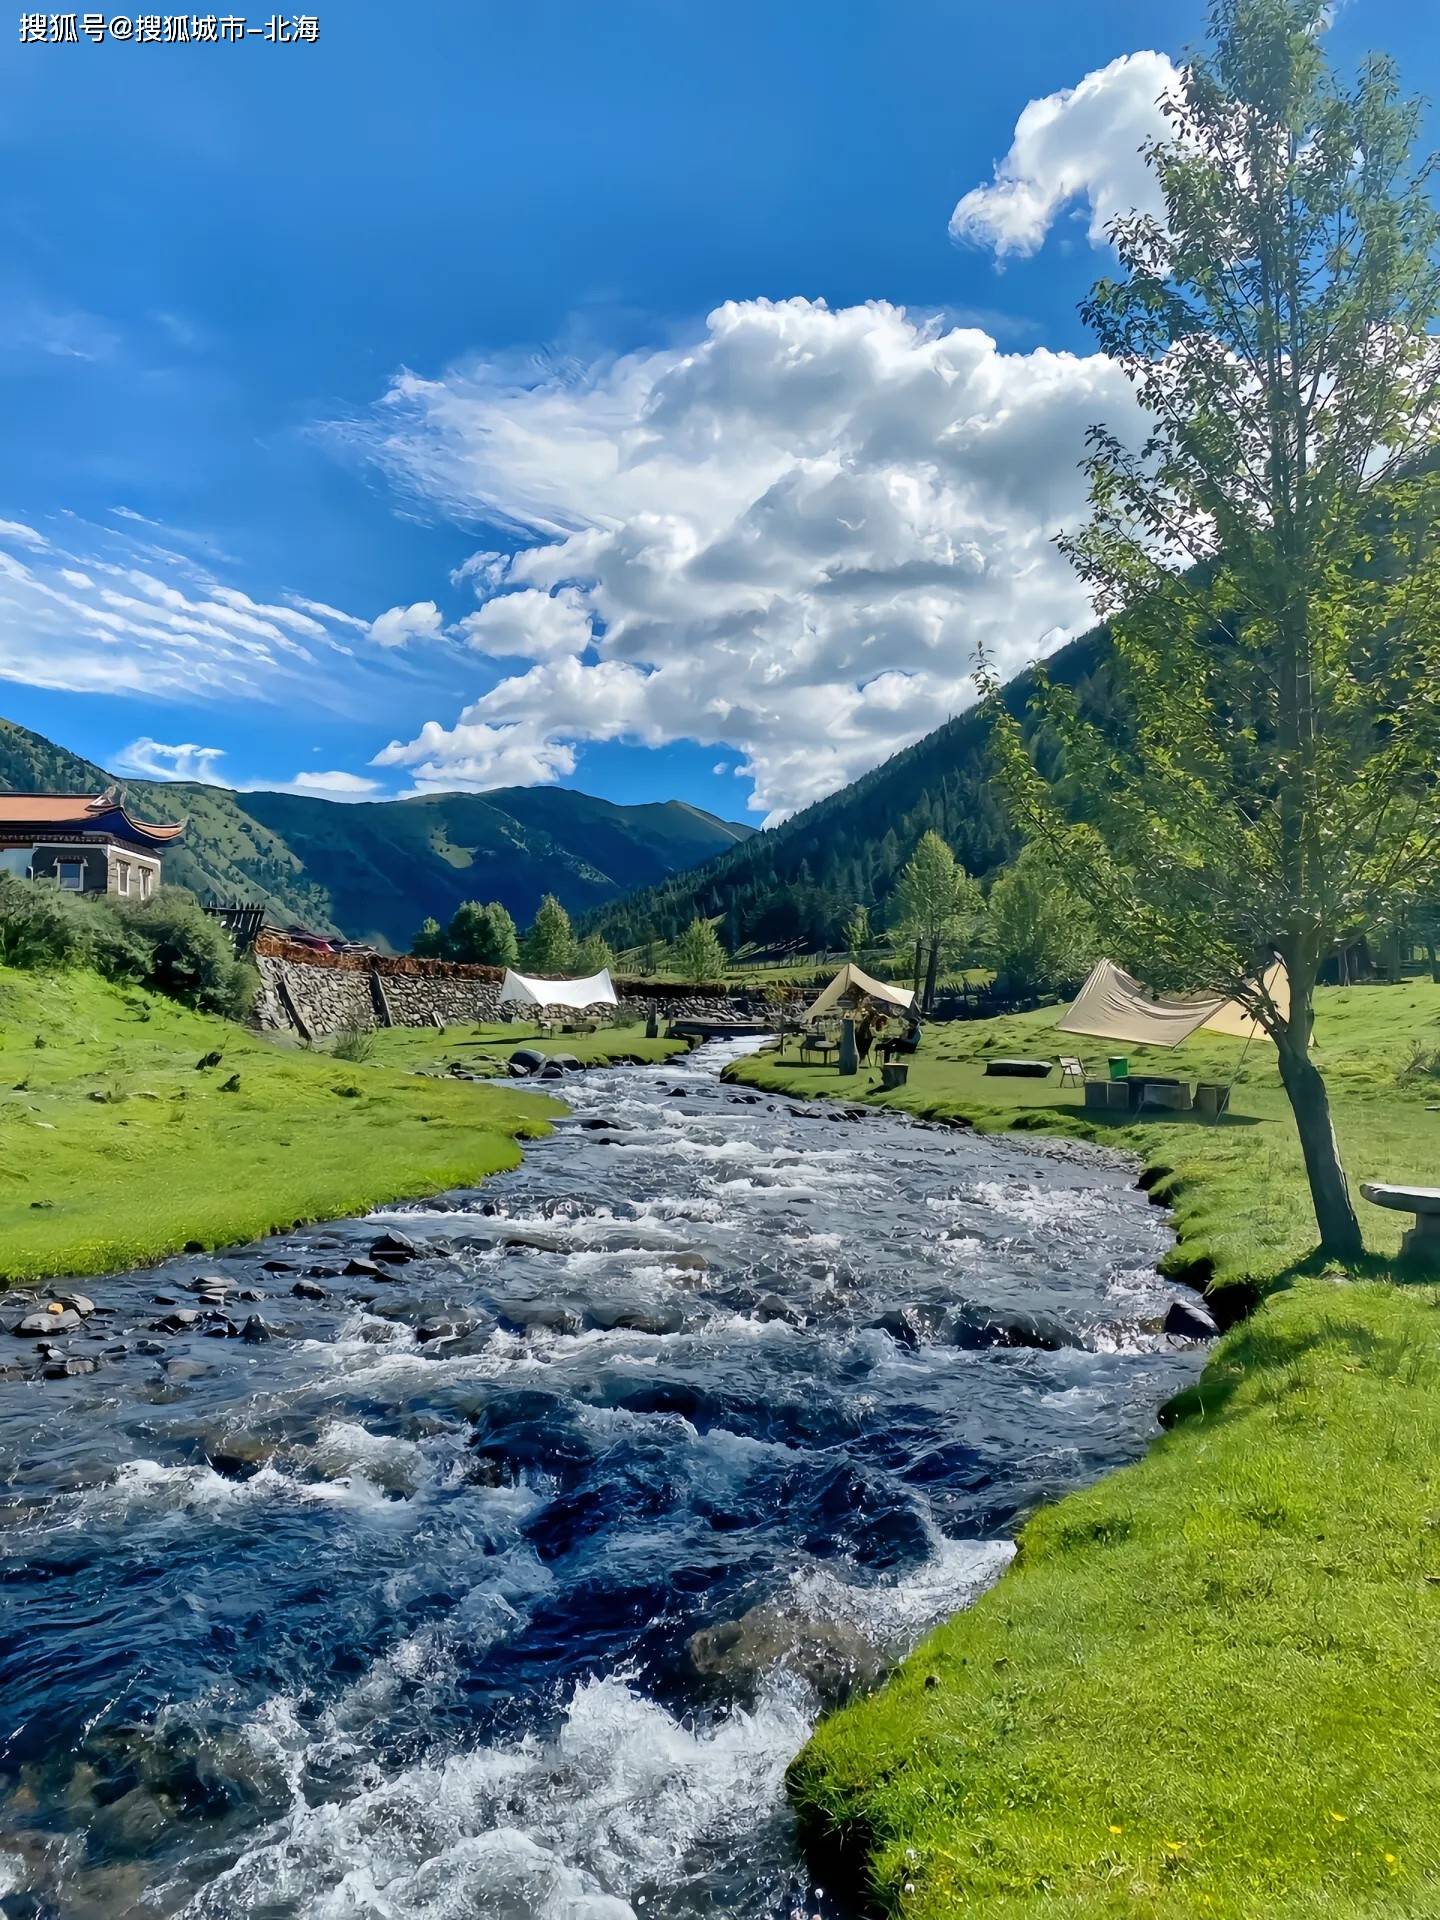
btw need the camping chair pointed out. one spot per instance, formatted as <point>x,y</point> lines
<point>1072,1070</point>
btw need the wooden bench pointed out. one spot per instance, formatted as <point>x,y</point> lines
<point>1422,1242</point>
<point>1019,1069</point>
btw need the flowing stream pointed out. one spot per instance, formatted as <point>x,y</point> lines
<point>505,1580</point>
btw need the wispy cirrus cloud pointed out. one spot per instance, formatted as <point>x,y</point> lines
<point>91,608</point>
<point>149,759</point>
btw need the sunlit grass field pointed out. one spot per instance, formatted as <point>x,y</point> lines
<point>117,1146</point>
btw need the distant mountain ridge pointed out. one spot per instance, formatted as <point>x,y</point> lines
<point>373,870</point>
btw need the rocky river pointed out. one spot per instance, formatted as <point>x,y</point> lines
<point>501,1563</point>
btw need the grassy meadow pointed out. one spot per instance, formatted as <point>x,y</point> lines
<point>118,1147</point>
<point>1209,1684</point>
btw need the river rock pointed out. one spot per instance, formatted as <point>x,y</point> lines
<point>835,1659</point>
<point>543,1316</point>
<point>309,1290</point>
<point>525,1060</point>
<point>149,1347</point>
<point>395,1249</point>
<point>180,1321</point>
<point>77,1303</point>
<point>63,1369</point>
<point>365,1270</point>
<point>255,1332</point>
<point>771,1307</point>
<point>1189,1320</point>
<point>566,1062</point>
<point>39,1325</point>
<point>657,1320</point>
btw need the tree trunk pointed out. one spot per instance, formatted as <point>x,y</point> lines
<point>931,970</point>
<point>919,950</point>
<point>1310,1103</point>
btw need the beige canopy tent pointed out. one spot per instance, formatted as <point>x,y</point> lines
<point>851,985</point>
<point>1112,1005</point>
<point>527,990</point>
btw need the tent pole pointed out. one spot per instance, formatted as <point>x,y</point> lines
<point>1230,1088</point>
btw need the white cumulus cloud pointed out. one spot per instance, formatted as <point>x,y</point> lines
<point>787,537</point>
<point>401,625</point>
<point>1079,144</point>
<point>530,625</point>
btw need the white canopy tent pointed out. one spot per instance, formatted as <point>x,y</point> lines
<point>1112,1005</point>
<point>526,990</point>
<point>851,981</point>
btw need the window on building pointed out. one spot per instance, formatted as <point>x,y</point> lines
<point>71,875</point>
<point>123,867</point>
<point>145,879</point>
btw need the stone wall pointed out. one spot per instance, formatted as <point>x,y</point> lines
<point>316,994</point>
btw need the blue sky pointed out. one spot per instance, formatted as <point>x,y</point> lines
<point>311,327</point>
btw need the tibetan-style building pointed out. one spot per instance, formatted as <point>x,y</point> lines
<point>89,843</point>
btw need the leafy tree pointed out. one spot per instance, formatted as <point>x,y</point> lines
<point>933,898</point>
<point>698,954</point>
<point>549,946</point>
<point>429,941</point>
<point>593,955</point>
<point>1267,555</point>
<point>188,953</point>
<point>1038,934</point>
<point>482,936</point>
<point>858,935</point>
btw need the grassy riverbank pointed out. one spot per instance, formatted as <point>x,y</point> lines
<point>117,1147</point>
<point>1209,1684</point>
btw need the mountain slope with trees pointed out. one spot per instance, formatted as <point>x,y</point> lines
<point>802,881</point>
<point>375,870</point>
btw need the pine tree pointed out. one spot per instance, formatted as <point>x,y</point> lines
<point>549,947</point>
<point>593,955</point>
<point>429,941</point>
<point>698,954</point>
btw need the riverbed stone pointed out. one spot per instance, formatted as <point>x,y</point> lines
<point>1189,1320</point>
<point>49,1321</point>
<point>256,1331</point>
<point>309,1290</point>
<point>836,1659</point>
<point>77,1303</point>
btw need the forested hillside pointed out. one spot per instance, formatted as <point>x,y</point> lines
<point>799,882</point>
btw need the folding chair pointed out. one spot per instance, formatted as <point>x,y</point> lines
<point>1072,1070</point>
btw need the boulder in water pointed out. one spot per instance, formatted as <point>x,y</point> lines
<point>771,1307</point>
<point>309,1290</point>
<point>49,1321</point>
<point>255,1331</point>
<point>395,1249</point>
<point>836,1659</point>
<point>1189,1320</point>
<point>525,1060</point>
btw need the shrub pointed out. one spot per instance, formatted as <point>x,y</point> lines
<point>167,943</point>
<point>355,1044</point>
<point>42,927</point>
<point>189,955</point>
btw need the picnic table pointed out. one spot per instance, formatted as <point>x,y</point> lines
<point>818,1043</point>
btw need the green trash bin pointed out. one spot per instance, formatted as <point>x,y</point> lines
<point>1119,1067</point>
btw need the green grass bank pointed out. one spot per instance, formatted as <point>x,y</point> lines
<point>1209,1685</point>
<point>117,1147</point>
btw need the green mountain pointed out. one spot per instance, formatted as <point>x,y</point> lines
<point>798,883</point>
<point>376,869</point>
